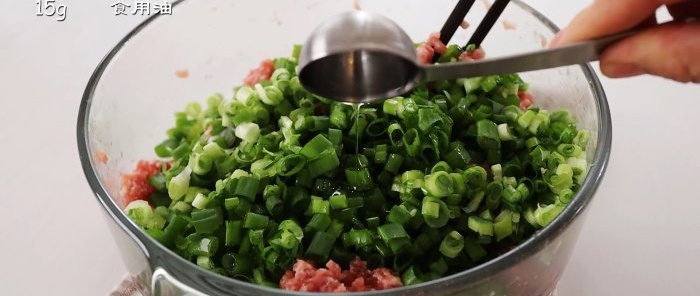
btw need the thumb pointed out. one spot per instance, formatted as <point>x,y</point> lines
<point>670,50</point>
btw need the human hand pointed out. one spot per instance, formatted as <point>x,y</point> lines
<point>670,50</point>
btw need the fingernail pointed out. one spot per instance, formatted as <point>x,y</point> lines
<point>621,70</point>
<point>556,39</point>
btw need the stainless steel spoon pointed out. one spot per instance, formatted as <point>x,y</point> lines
<point>361,57</point>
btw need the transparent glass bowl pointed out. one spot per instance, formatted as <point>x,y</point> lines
<point>132,95</point>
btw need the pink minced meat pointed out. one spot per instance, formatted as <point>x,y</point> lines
<point>427,50</point>
<point>474,55</point>
<point>307,278</point>
<point>261,73</point>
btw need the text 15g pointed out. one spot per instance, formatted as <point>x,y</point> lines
<point>49,8</point>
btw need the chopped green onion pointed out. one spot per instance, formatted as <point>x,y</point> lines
<point>394,236</point>
<point>452,244</point>
<point>480,225</point>
<point>255,221</point>
<point>177,187</point>
<point>320,247</point>
<point>438,184</point>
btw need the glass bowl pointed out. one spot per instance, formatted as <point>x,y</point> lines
<point>208,46</point>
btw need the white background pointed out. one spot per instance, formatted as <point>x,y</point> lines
<point>640,237</point>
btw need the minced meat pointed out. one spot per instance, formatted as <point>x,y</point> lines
<point>304,276</point>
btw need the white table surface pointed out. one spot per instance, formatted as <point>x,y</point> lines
<point>640,237</point>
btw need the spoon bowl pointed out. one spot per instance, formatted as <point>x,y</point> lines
<point>358,57</point>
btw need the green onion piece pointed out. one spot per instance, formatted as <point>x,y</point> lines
<point>358,127</point>
<point>511,195</point>
<point>393,163</point>
<point>140,212</point>
<point>526,118</point>
<point>255,221</point>
<point>396,133</point>
<point>428,117</point>
<point>237,264</point>
<point>441,166</point>
<point>524,191</point>
<point>319,222</point>
<point>319,206</point>
<point>177,187</point>
<point>505,133</point>
<point>338,201</point>
<point>400,214</point>
<point>208,220</point>
<point>480,225</point>
<point>439,266</point>
<point>394,236</point>
<point>412,141</point>
<point>452,244</point>
<point>359,178</point>
<point>532,142</point>
<point>540,120</point>
<point>435,212</point>
<point>205,262</point>
<point>569,150</point>
<point>503,224</point>
<point>200,201</point>
<point>545,215</point>
<point>324,163</point>
<point>205,246</point>
<point>474,203</point>
<point>529,215</point>
<point>473,249</point>
<point>375,200</point>
<point>316,146</point>
<point>487,135</point>
<point>248,132</point>
<point>377,127</point>
<point>338,116</point>
<point>475,177</point>
<point>457,157</point>
<point>320,247</point>
<point>335,136</point>
<point>181,207</point>
<point>157,180</point>
<point>581,138</point>
<point>335,229</point>
<point>260,279</point>
<point>291,164</point>
<point>539,157</point>
<point>438,184</point>
<point>358,238</point>
<point>234,233</point>
<point>292,227</point>
<point>247,187</point>
<point>411,276</point>
<point>565,196</point>
<point>392,106</point>
<point>380,153</point>
<point>356,202</point>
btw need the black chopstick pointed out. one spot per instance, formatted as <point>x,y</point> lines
<point>455,20</point>
<point>487,23</point>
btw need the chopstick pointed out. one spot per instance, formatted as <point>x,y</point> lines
<point>487,23</point>
<point>455,20</point>
<point>457,17</point>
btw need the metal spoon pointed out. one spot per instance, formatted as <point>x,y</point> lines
<point>361,57</point>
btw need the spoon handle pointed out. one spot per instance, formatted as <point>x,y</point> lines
<point>578,53</point>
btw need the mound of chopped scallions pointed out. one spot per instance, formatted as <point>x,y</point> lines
<point>426,184</point>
